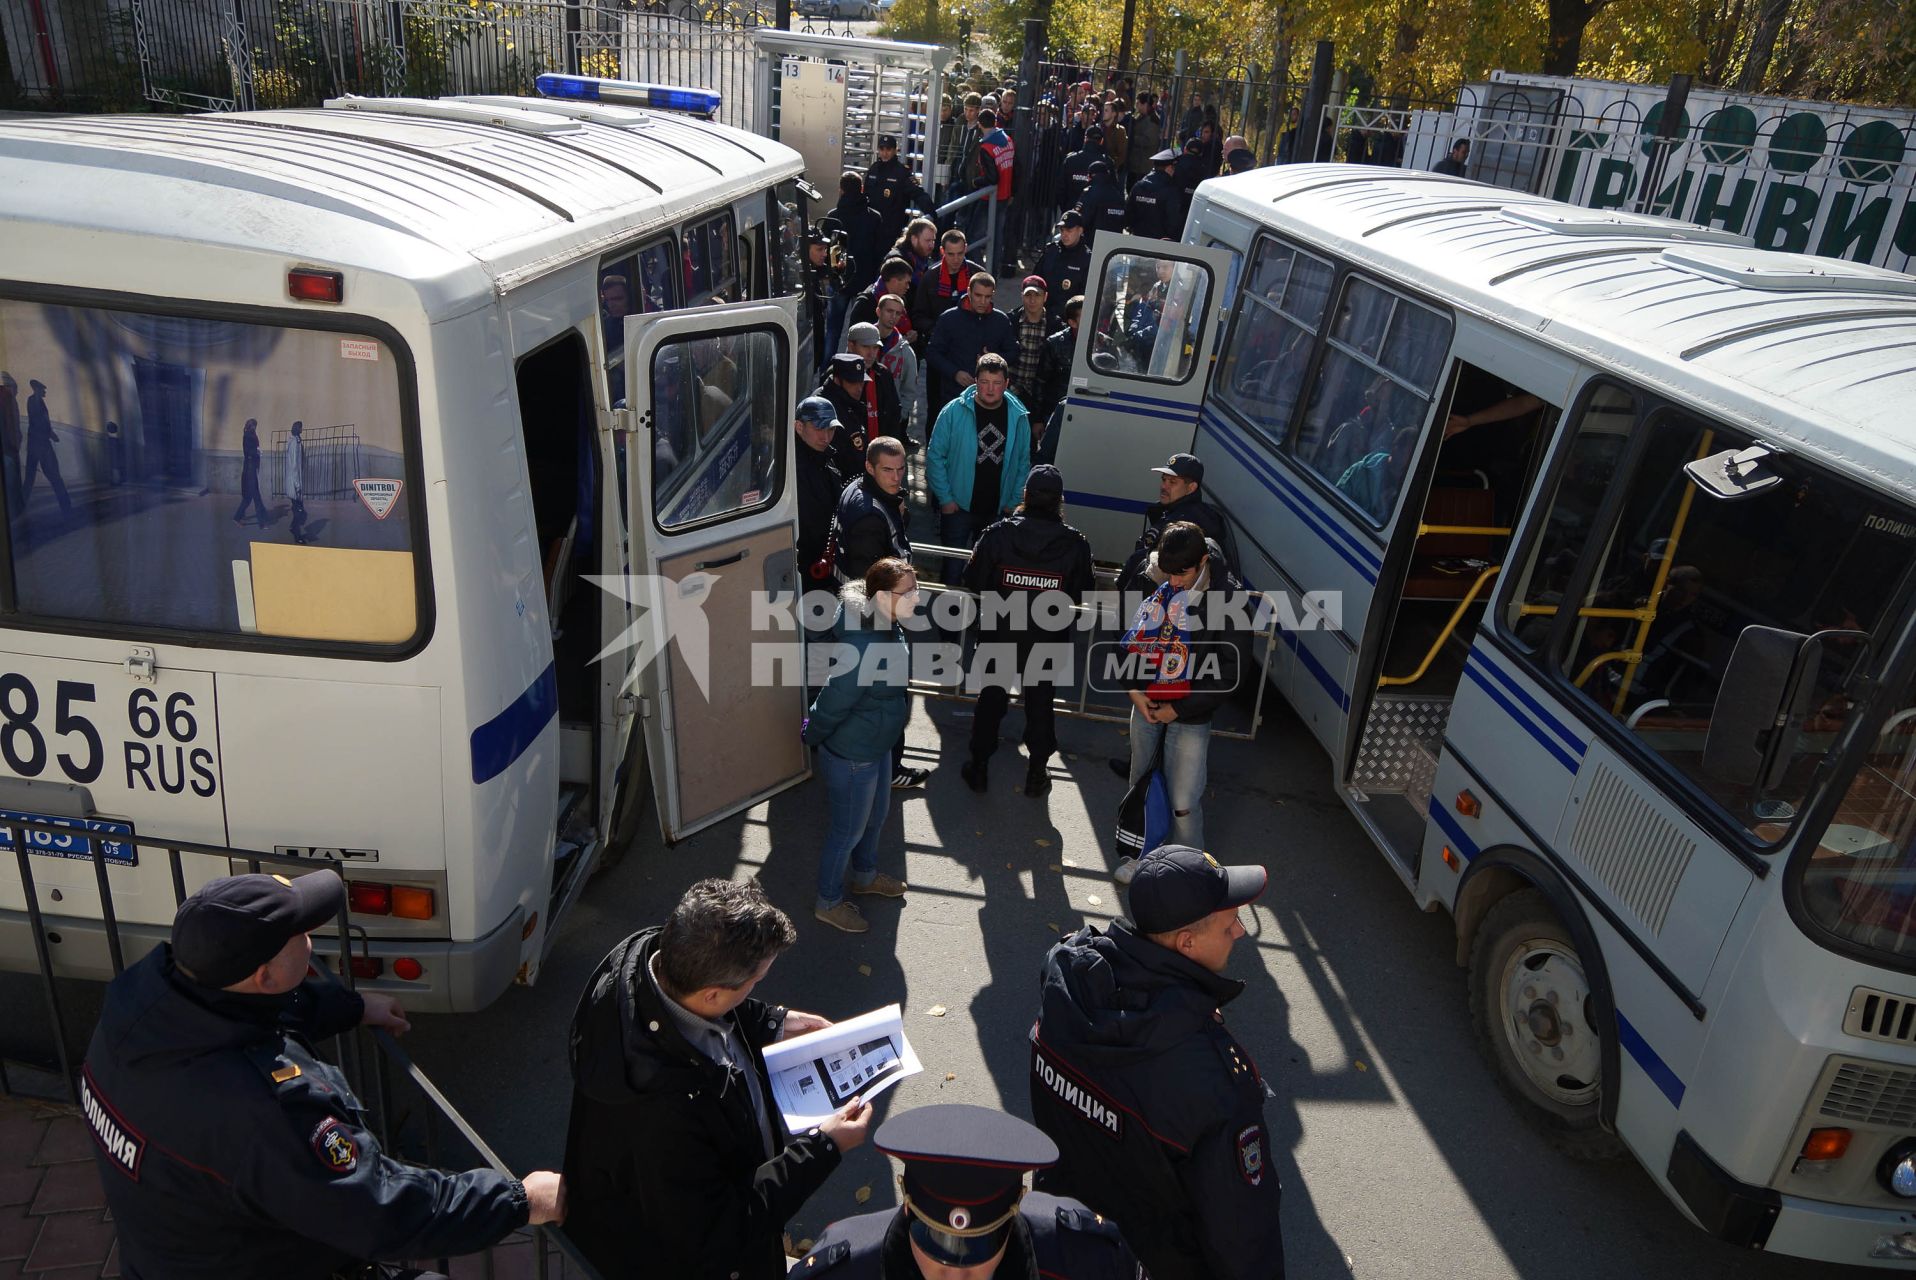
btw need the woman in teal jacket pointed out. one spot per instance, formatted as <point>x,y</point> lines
<point>856,719</point>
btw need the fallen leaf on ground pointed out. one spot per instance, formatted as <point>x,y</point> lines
<point>1009,867</point>
<point>1095,900</point>
<point>1052,925</point>
<point>865,969</point>
<point>1070,862</point>
<point>936,1011</point>
<point>1043,843</point>
<point>1054,867</point>
<point>950,1075</point>
<point>1362,1067</point>
<point>862,1194</point>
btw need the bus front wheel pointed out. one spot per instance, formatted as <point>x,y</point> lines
<point>1535,1023</point>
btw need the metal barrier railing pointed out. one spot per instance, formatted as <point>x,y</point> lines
<point>979,247</point>
<point>24,835</point>
<point>1108,618</point>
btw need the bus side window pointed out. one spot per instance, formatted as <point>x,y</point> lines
<point>1684,574</point>
<point>1603,432</point>
<point>1372,395</point>
<point>1279,314</point>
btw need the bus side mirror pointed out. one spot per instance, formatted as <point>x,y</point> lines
<point>1761,705</point>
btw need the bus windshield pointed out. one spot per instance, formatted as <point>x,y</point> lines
<point>1858,881</point>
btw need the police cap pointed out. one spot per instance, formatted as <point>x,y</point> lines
<point>1176,886</point>
<point>1071,218</point>
<point>1167,156</point>
<point>964,1176</point>
<point>887,140</point>
<point>231,927</point>
<point>1100,166</point>
<point>848,366</point>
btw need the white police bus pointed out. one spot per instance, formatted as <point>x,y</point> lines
<point>1622,513</point>
<point>325,420</point>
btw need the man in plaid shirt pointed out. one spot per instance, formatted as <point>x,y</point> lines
<point>1028,332</point>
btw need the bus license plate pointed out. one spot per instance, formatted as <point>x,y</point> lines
<point>48,844</point>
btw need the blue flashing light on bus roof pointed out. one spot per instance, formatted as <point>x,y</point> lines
<point>631,93</point>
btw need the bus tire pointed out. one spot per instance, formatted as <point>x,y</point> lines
<point>1536,1024</point>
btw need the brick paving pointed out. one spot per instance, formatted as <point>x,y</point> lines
<point>53,1220</point>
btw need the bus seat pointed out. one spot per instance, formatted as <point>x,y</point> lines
<point>1438,568</point>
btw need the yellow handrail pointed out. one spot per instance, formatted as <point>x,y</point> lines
<point>1662,580</point>
<point>1457,616</point>
<point>1487,530</point>
<point>1550,611</point>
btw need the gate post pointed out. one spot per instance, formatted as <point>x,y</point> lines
<point>1024,157</point>
<point>1310,125</point>
<point>782,15</point>
<point>1673,104</point>
<point>573,62</point>
<point>1176,112</point>
<point>1124,40</point>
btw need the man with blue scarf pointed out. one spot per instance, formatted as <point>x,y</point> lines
<point>1184,665</point>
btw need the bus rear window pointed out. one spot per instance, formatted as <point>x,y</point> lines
<point>201,475</point>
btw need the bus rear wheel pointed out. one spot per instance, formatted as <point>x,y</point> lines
<point>1534,1013</point>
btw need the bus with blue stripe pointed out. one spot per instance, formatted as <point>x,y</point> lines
<point>1620,514</point>
<point>384,457</point>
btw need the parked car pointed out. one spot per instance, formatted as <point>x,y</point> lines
<point>861,10</point>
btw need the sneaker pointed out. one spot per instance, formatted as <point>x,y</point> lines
<point>974,774</point>
<point>883,886</point>
<point>843,916</point>
<point>1121,767</point>
<point>1126,869</point>
<point>1037,781</point>
<point>909,778</point>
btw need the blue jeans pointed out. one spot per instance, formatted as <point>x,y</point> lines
<point>1187,747</point>
<point>858,796</point>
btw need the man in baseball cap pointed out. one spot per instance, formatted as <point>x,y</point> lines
<point>1157,1110</point>
<point>1180,497</point>
<point>226,1146</point>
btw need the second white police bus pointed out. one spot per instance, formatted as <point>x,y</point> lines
<point>324,420</point>
<point>1622,514</point>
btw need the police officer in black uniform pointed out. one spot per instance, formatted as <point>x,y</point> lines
<point>819,480</point>
<point>1102,203</point>
<point>966,1210</point>
<point>1023,557</point>
<point>1077,167</point>
<point>227,1146</point>
<point>891,191</point>
<point>1063,264</point>
<point>1155,206</point>
<point>1157,1110</point>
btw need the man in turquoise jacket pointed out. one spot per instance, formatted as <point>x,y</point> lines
<point>979,454</point>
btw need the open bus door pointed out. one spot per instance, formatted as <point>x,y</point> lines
<point>710,395</point>
<point>1150,327</point>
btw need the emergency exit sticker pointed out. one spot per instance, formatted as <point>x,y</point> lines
<point>358,349</point>
<point>378,495</point>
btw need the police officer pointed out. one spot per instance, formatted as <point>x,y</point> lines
<point>967,1212</point>
<point>1102,203</point>
<point>866,403</point>
<point>1189,169</point>
<point>227,1146</point>
<point>1077,167</point>
<point>1020,559</point>
<point>1155,206</point>
<point>891,191</point>
<point>1063,264</point>
<point>1156,1108</point>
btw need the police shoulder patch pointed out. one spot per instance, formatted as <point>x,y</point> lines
<point>1250,1154</point>
<point>334,1146</point>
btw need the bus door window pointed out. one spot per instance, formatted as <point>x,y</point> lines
<point>716,447</point>
<point>1684,574</point>
<point>1149,316</point>
<point>1372,395</point>
<point>1279,315</point>
<point>1603,433</point>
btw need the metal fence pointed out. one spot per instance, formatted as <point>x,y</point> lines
<point>1248,100</point>
<point>411,1117</point>
<point>224,55</point>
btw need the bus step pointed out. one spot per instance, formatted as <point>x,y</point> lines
<point>1403,736</point>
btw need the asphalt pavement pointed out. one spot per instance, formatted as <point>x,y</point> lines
<point>1400,1156</point>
